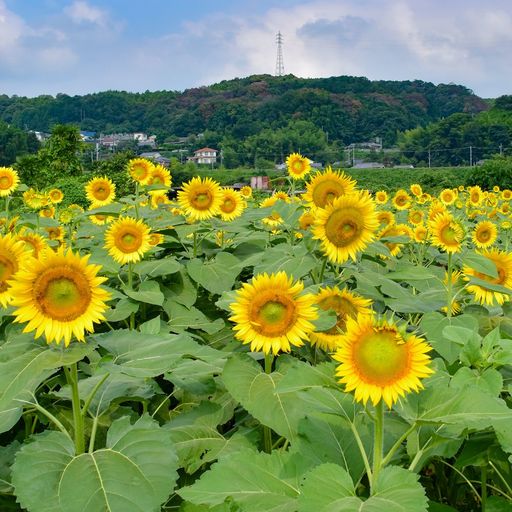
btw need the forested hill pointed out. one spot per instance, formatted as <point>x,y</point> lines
<point>348,109</point>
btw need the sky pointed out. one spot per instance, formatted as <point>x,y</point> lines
<point>87,46</point>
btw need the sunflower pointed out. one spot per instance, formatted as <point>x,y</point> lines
<point>446,233</point>
<point>506,194</point>
<point>48,212</point>
<point>420,233</point>
<point>424,198</point>
<point>379,361</point>
<point>55,196</point>
<point>415,217</point>
<point>246,192</point>
<point>158,198</point>
<point>140,170</point>
<point>385,218</point>
<point>55,233</point>
<point>485,234</point>
<point>9,181</point>
<point>34,199</point>
<point>155,239</point>
<point>389,232</point>
<point>100,219</point>
<point>505,208</point>
<point>475,196</point>
<point>484,295</point>
<point>346,226</point>
<point>401,200</point>
<point>306,220</point>
<point>232,204</point>
<point>273,220</point>
<point>200,198</point>
<point>12,253</point>
<point>127,240</point>
<point>159,176</point>
<point>416,189</point>
<point>271,314</point>
<point>59,295</point>
<point>448,196</point>
<point>34,242</point>
<point>345,304</point>
<point>298,166</point>
<point>435,208</point>
<point>327,186</point>
<point>100,191</point>
<point>381,197</point>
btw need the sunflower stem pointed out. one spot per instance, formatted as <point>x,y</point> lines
<point>137,200</point>
<point>378,441</point>
<point>194,251</point>
<point>78,420</point>
<point>7,199</point>
<point>483,490</point>
<point>449,287</point>
<point>322,271</point>
<point>267,432</point>
<point>397,445</point>
<point>130,286</point>
<point>92,394</point>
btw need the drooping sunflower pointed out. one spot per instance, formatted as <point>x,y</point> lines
<point>381,197</point>
<point>100,219</point>
<point>246,192</point>
<point>271,314</point>
<point>379,361</point>
<point>200,198</point>
<point>55,196</point>
<point>12,253</point>
<point>232,204</point>
<point>155,239</point>
<point>59,295</point>
<point>100,191</point>
<point>158,198</point>
<point>159,176</point>
<point>127,240</point>
<point>298,166</point>
<point>140,170</point>
<point>401,200</point>
<point>34,242</point>
<point>448,196</point>
<point>346,226</point>
<point>416,189</point>
<point>485,234</point>
<point>325,187</point>
<point>345,304</point>
<point>391,231</point>
<point>9,181</point>
<point>483,294</point>
<point>446,233</point>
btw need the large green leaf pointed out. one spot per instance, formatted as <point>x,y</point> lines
<point>329,488</point>
<point>148,292</point>
<point>160,267</point>
<point>217,275</point>
<point>295,260</point>
<point>24,364</point>
<point>136,471</point>
<point>257,481</point>
<point>182,318</point>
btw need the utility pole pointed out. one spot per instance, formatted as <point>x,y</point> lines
<point>279,59</point>
<point>501,149</point>
<point>429,158</point>
<point>470,156</point>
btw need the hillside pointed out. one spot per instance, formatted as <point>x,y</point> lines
<point>346,109</point>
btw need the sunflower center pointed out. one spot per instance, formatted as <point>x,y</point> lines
<point>7,268</point>
<point>475,197</point>
<point>228,205</point>
<point>62,293</point>
<point>381,357</point>
<point>5,182</point>
<point>483,235</point>
<point>272,314</point>
<point>326,192</point>
<point>157,180</point>
<point>449,235</point>
<point>202,200</point>
<point>101,192</point>
<point>139,171</point>
<point>342,227</point>
<point>129,241</point>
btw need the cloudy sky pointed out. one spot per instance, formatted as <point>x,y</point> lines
<point>82,46</point>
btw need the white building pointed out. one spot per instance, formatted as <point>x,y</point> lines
<point>205,156</point>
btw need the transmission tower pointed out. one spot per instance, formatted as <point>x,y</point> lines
<point>279,60</point>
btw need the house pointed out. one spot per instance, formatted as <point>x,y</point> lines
<point>368,165</point>
<point>156,157</point>
<point>205,156</point>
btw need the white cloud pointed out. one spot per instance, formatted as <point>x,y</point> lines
<point>81,12</point>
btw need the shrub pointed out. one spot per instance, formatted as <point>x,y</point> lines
<point>496,171</point>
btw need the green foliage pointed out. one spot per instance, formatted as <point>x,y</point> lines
<point>73,188</point>
<point>14,143</point>
<point>497,171</point>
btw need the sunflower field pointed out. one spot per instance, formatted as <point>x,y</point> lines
<point>336,350</point>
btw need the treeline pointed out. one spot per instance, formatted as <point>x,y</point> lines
<point>15,142</point>
<point>344,109</point>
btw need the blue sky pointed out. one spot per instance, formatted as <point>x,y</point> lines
<point>82,46</point>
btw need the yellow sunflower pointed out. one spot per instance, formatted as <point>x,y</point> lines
<point>448,196</point>
<point>420,233</point>
<point>140,170</point>
<point>271,314</point>
<point>127,240</point>
<point>12,254</point>
<point>415,217</point>
<point>475,196</point>
<point>381,197</point>
<point>385,218</point>
<point>48,212</point>
<point>306,220</point>
<point>379,361</point>
<point>158,198</point>
<point>506,194</point>
<point>416,190</point>
<point>100,219</point>
<point>298,166</point>
<point>485,234</point>
<point>159,176</point>
<point>401,200</point>
<point>246,192</point>
<point>200,198</point>
<point>34,242</point>
<point>55,196</point>
<point>325,187</point>
<point>100,191</point>
<point>484,295</point>
<point>345,304</point>
<point>59,295</point>
<point>391,231</point>
<point>34,199</point>
<point>9,181</point>
<point>55,233</point>
<point>446,233</point>
<point>435,208</point>
<point>346,226</point>
<point>232,204</point>
<point>155,239</point>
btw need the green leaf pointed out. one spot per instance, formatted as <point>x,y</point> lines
<point>489,380</point>
<point>182,318</point>
<point>155,268</point>
<point>124,308</point>
<point>136,471</point>
<point>217,275</point>
<point>181,289</point>
<point>480,263</point>
<point>326,320</point>
<point>24,364</point>
<point>498,504</point>
<point>329,488</point>
<point>295,260</point>
<point>148,292</point>
<point>257,481</point>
